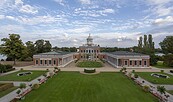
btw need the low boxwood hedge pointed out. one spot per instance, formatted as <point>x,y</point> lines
<point>89,70</point>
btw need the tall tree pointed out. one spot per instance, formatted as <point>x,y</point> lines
<point>39,46</point>
<point>31,48</point>
<point>145,42</point>
<point>47,46</point>
<point>140,42</point>
<point>13,47</point>
<point>167,45</point>
<point>150,41</point>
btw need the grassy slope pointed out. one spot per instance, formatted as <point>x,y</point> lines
<point>155,80</point>
<point>3,93</point>
<point>75,87</point>
<point>89,64</point>
<point>14,77</point>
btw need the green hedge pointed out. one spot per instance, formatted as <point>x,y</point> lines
<point>6,68</point>
<point>89,70</point>
<point>5,86</point>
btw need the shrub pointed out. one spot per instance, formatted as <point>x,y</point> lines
<point>162,71</point>
<point>55,68</point>
<point>136,76</point>
<point>6,68</point>
<point>35,86</point>
<point>18,91</point>
<point>146,88</point>
<point>21,69</point>
<point>121,70</point>
<point>133,71</point>
<point>45,75</point>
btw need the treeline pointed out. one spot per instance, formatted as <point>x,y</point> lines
<point>15,49</point>
<point>167,47</point>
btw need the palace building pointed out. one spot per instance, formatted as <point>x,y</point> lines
<point>91,51</point>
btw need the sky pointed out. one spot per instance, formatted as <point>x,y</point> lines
<point>66,23</point>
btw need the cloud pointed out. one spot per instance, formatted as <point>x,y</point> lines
<point>108,11</point>
<point>28,9</point>
<point>2,17</point>
<point>61,2</point>
<point>161,21</point>
<point>25,8</point>
<point>158,2</point>
<point>85,1</point>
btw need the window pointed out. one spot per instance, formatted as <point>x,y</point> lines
<point>50,61</point>
<point>41,61</point>
<point>36,61</point>
<point>89,51</point>
<point>130,62</point>
<point>140,62</point>
<point>145,62</point>
<point>81,50</point>
<point>135,62</point>
<point>125,63</point>
<point>54,62</point>
<point>45,62</point>
<point>81,56</point>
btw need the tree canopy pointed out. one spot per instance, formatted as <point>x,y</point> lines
<point>167,45</point>
<point>13,47</point>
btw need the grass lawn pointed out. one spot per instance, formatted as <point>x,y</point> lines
<point>3,93</point>
<point>89,64</point>
<point>160,65</point>
<point>155,80</point>
<point>14,77</point>
<point>76,87</point>
<point>170,91</point>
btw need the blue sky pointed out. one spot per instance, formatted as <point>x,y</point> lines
<point>115,23</point>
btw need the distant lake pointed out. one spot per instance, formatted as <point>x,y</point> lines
<point>2,57</point>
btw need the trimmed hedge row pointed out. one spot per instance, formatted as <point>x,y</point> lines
<point>5,86</point>
<point>89,70</point>
<point>6,68</point>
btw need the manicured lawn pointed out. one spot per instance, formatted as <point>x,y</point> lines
<point>89,64</point>
<point>3,93</point>
<point>155,80</point>
<point>14,77</point>
<point>170,91</point>
<point>160,65</point>
<point>76,87</point>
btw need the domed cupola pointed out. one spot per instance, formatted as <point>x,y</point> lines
<point>89,40</point>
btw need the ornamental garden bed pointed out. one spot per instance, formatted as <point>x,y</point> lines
<point>6,88</point>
